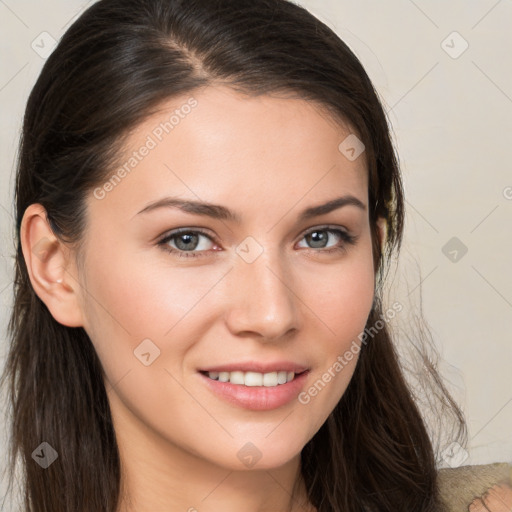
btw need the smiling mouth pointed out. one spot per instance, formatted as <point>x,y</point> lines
<point>252,379</point>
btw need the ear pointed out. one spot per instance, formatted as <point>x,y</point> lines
<point>382,230</point>
<point>50,267</point>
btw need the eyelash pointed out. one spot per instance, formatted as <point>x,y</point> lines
<point>163,243</point>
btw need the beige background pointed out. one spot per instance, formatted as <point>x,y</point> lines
<point>451,109</point>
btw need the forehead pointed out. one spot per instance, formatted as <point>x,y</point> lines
<point>223,146</point>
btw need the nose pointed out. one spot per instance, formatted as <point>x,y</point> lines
<point>262,300</point>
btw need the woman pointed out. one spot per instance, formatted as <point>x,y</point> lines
<point>207,202</point>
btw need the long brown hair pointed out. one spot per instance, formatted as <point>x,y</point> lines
<point>112,68</point>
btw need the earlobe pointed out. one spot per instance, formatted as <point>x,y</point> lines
<point>50,267</point>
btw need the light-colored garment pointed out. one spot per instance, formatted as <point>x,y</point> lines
<point>459,486</point>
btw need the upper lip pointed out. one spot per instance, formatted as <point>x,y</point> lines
<point>255,366</point>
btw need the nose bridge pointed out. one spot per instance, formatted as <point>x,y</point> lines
<point>262,299</point>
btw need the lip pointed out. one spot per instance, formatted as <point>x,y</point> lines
<point>254,366</point>
<point>256,398</point>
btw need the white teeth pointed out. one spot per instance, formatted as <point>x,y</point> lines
<point>252,379</point>
<point>237,378</point>
<point>271,379</point>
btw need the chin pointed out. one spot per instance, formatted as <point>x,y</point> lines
<point>257,455</point>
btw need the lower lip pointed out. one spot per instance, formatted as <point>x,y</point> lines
<point>257,398</point>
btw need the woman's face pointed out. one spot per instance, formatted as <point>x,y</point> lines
<point>255,284</point>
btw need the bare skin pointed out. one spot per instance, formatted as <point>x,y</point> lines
<point>497,499</point>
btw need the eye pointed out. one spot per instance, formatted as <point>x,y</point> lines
<point>185,240</point>
<point>328,239</point>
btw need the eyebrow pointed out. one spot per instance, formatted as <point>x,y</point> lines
<point>217,211</point>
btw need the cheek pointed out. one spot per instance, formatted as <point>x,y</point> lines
<point>341,295</point>
<point>141,298</point>
<point>341,299</point>
<point>129,300</point>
